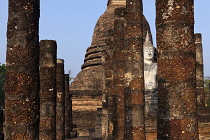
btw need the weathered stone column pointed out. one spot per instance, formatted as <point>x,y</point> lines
<point>60,101</point>
<point>107,106</point>
<point>70,111</point>
<point>22,77</point>
<point>67,107</point>
<point>176,70</point>
<point>47,62</point>
<point>199,71</point>
<point>119,74</point>
<point>134,73</point>
<point>113,109</point>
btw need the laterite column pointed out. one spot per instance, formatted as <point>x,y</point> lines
<point>22,76</point>
<point>199,71</point>
<point>67,107</point>
<point>60,101</point>
<point>109,126</point>
<point>119,74</point>
<point>134,71</point>
<point>70,111</point>
<point>108,94</point>
<point>176,70</point>
<point>114,118</point>
<point>47,62</point>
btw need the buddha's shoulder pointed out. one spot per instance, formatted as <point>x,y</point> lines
<point>154,66</point>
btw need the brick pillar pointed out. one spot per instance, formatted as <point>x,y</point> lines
<point>70,113</point>
<point>47,62</point>
<point>22,76</point>
<point>67,107</point>
<point>113,117</point>
<point>199,71</point>
<point>107,92</point>
<point>134,73</point>
<point>107,106</point>
<point>176,70</point>
<point>118,74</point>
<point>60,101</point>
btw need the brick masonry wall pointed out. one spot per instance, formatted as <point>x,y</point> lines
<point>85,104</point>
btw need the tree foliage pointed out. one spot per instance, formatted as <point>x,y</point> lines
<point>2,81</point>
<point>207,89</point>
<point>206,83</point>
<point>70,77</point>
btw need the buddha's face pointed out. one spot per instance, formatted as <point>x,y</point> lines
<point>148,53</point>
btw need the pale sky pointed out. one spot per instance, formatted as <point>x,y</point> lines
<point>71,24</point>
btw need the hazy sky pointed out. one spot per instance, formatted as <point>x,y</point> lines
<point>71,24</point>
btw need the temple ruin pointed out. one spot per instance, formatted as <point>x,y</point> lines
<point>102,78</point>
<point>86,89</point>
<point>124,91</point>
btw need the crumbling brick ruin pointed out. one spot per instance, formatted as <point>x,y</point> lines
<point>101,78</point>
<point>109,98</point>
<point>86,89</point>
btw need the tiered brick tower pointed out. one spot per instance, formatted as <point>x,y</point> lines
<point>87,87</point>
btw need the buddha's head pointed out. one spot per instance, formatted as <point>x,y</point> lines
<point>148,49</point>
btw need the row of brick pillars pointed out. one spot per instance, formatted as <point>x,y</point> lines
<point>35,84</point>
<point>123,109</point>
<point>125,105</point>
<point>54,94</point>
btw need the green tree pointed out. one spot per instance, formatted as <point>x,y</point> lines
<point>2,81</point>
<point>207,89</point>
